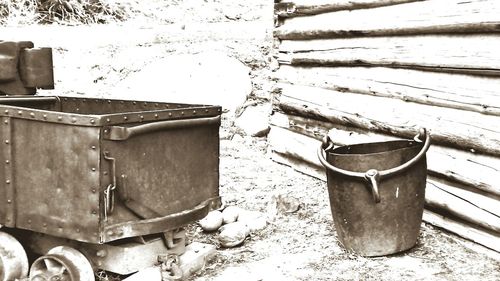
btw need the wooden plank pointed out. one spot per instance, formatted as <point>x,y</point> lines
<point>424,17</point>
<point>295,150</point>
<point>312,7</point>
<point>471,93</point>
<point>479,173</point>
<point>437,197</point>
<point>489,204</point>
<point>465,230</point>
<point>457,128</point>
<point>475,54</point>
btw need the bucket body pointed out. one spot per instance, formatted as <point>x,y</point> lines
<point>393,224</point>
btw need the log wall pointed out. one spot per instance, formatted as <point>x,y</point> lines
<point>374,70</point>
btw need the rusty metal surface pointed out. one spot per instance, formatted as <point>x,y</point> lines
<point>123,133</point>
<point>36,69</point>
<point>56,178</point>
<point>55,171</point>
<point>129,257</point>
<point>4,160</point>
<point>9,195</point>
<point>363,225</point>
<point>131,226</point>
<point>122,257</point>
<point>24,68</point>
<point>182,177</point>
<point>99,112</point>
<point>113,106</point>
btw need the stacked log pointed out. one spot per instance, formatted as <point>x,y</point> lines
<point>366,71</point>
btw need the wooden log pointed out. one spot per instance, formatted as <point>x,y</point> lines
<point>465,230</point>
<point>423,17</point>
<point>487,202</point>
<point>301,7</point>
<point>457,128</point>
<point>476,172</point>
<point>299,152</point>
<point>295,150</point>
<point>477,53</point>
<point>438,198</point>
<point>471,93</point>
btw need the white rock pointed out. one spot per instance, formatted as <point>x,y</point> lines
<point>211,78</point>
<point>254,121</point>
<point>230,214</point>
<point>233,234</point>
<point>288,204</point>
<point>212,221</point>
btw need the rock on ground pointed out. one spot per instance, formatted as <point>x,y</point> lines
<point>211,78</point>
<point>254,121</point>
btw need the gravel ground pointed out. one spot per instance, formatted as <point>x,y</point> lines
<point>303,246</point>
<point>91,60</point>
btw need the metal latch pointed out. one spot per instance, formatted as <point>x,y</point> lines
<point>23,68</point>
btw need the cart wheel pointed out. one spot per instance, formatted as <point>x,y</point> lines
<point>62,263</point>
<point>13,258</point>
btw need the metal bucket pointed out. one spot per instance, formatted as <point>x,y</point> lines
<point>377,193</point>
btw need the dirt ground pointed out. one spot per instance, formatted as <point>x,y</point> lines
<point>303,245</point>
<point>91,60</point>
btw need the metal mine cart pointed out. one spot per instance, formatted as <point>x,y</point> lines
<point>94,183</point>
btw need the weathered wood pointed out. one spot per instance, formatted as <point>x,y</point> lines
<point>465,230</point>
<point>472,93</point>
<point>295,150</point>
<point>477,53</point>
<point>479,173</point>
<point>489,202</point>
<point>437,197</point>
<point>424,17</point>
<point>457,128</point>
<point>300,7</point>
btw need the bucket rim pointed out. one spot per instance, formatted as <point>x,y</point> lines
<point>406,144</point>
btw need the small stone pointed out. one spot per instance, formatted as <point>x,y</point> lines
<point>287,204</point>
<point>233,234</point>
<point>212,221</point>
<point>230,214</point>
<point>254,121</point>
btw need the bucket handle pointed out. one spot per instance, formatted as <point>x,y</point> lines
<point>373,176</point>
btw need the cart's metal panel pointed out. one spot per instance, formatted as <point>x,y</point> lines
<point>168,171</point>
<point>3,190</point>
<point>56,172</point>
<point>99,112</point>
<point>8,196</point>
<point>110,106</point>
<point>36,68</point>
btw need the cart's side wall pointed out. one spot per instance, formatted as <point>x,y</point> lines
<point>373,70</point>
<point>5,190</point>
<point>103,106</point>
<point>56,178</point>
<point>163,172</point>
